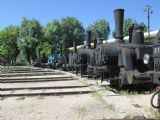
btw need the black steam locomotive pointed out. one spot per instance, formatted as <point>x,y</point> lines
<point>120,63</point>
<point>136,62</point>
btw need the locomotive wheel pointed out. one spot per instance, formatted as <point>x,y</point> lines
<point>81,72</point>
<point>121,78</point>
<point>120,83</point>
<point>76,72</point>
<point>88,75</point>
<point>102,76</point>
<point>158,100</point>
<point>76,69</point>
<point>113,83</point>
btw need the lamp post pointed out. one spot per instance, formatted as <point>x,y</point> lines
<point>149,11</point>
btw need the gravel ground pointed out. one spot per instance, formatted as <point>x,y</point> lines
<point>103,104</point>
<point>125,104</point>
<point>79,107</point>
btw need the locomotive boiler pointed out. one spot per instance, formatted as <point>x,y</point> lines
<point>122,64</point>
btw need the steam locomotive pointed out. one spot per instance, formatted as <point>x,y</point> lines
<point>120,63</point>
<point>123,64</point>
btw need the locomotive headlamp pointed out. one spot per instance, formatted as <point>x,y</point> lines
<point>146,58</point>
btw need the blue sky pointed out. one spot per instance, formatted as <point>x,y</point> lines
<point>87,11</point>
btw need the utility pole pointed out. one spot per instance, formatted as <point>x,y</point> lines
<point>149,11</point>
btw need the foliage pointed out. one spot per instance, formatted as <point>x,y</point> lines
<point>30,37</point>
<point>52,32</point>
<point>8,44</point>
<point>72,30</point>
<point>61,32</point>
<point>46,48</point>
<point>149,39</point>
<point>52,36</point>
<point>99,28</point>
<point>126,25</point>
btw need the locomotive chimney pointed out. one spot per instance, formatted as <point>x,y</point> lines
<point>138,35</point>
<point>100,41</point>
<point>89,39</point>
<point>74,46</point>
<point>130,32</point>
<point>95,43</point>
<point>119,16</point>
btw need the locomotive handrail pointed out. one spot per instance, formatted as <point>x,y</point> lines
<point>152,98</point>
<point>126,38</point>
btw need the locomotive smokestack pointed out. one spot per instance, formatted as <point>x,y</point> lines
<point>100,41</point>
<point>138,35</point>
<point>75,47</point>
<point>119,17</point>
<point>89,39</point>
<point>130,33</point>
<point>95,43</point>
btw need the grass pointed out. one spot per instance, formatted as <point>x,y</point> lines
<point>157,115</point>
<point>40,97</point>
<point>107,105</point>
<point>21,98</point>
<point>128,93</point>
<point>107,87</point>
<point>154,112</point>
<point>81,111</point>
<point>97,96</point>
<point>136,105</point>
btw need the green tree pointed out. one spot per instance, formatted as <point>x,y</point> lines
<point>99,28</point>
<point>52,31</point>
<point>72,30</point>
<point>30,37</point>
<point>8,44</point>
<point>52,36</point>
<point>126,25</point>
<point>46,48</point>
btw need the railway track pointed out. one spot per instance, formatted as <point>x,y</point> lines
<point>36,82</point>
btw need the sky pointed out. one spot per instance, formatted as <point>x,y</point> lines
<point>86,11</point>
